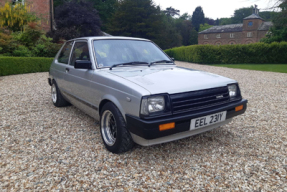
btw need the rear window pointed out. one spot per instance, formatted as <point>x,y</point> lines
<point>65,53</point>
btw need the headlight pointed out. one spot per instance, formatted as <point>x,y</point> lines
<point>152,105</point>
<point>232,90</point>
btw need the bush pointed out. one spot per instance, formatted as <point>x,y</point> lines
<point>20,65</point>
<point>232,54</point>
<point>22,51</point>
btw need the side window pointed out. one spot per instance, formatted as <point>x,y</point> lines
<point>80,52</point>
<point>65,53</point>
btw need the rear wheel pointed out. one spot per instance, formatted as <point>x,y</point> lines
<point>57,98</point>
<point>116,137</point>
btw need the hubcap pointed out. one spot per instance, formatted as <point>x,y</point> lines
<point>54,93</point>
<point>109,128</point>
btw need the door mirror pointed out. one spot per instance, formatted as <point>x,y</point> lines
<point>83,64</point>
<point>172,59</point>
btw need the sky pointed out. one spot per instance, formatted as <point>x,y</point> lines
<point>213,8</point>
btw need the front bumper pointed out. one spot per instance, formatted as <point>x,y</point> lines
<point>146,132</point>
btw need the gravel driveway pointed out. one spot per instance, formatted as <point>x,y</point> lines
<point>60,149</point>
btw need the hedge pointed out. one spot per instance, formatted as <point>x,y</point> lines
<point>232,54</point>
<point>19,65</point>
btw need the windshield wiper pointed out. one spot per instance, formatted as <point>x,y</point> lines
<point>128,63</point>
<point>161,61</point>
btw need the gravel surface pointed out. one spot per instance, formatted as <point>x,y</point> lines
<point>60,149</point>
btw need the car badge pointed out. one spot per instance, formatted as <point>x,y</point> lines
<point>219,96</point>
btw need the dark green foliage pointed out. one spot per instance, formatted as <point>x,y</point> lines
<point>143,19</point>
<point>76,18</point>
<point>106,9</point>
<point>225,21</point>
<point>232,54</point>
<point>197,18</point>
<point>240,14</point>
<point>278,32</point>
<point>20,65</point>
<point>171,11</point>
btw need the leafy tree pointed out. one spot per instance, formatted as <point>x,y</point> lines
<point>171,11</point>
<point>209,21</point>
<point>143,19</point>
<point>225,21</point>
<point>76,19</point>
<point>240,14</point>
<point>184,26</point>
<point>197,18</point>
<point>278,32</point>
<point>15,17</point>
<point>204,27</point>
<point>194,37</point>
<point>106,9</point>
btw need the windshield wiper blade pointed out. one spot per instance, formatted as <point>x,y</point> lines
<point>128,63</point>
<point>161,61</point>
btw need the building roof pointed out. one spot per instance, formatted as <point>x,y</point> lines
<point>223,29</point>
<point>265,26</point>
<point>254,16</point>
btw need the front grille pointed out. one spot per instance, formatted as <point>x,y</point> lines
<point>199,100</point>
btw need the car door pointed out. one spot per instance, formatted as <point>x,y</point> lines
<point>78,80</point>
<point>61,63</point>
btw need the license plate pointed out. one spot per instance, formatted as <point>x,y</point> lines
<point>207,120</point>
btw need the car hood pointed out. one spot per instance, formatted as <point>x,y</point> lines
<point>158,79</point>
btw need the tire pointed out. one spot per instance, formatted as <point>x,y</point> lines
<point>116,137</point>
<point>57,98</point>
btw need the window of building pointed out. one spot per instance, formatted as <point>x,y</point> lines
<point>249,34</point>
<point>250,23</point>
<point>231,35</point>
<point>218,36</point>
<point>218,43</point>
<point>18,1</point>
<point>205,37</point>
<point>65,53</point>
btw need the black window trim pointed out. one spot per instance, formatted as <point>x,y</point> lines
<point>76,41</point>
<point>69,54</point>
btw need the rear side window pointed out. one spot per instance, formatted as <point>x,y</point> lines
<point>65,53</point>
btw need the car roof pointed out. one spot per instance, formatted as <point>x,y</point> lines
<point>109,37</point>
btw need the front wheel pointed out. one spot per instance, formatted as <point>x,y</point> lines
<point>116,137</point>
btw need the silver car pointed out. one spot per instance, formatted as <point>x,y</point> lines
<point>138,94</point>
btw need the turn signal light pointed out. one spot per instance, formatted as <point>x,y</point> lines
<point>239,108</point>
<point>167,126</point>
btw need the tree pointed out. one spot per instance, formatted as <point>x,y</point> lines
<point>240,14</point>
<point>194,37</point>
<point>106,9</point>
<point>204,27</point>
<point>76,19</point>
<point>184,27</point>
<point>197,18</point>
<point>278,32</point>
<point>209,21</point>
<point>171,11</point>
<point>143,19</point>
<point>16,16</point>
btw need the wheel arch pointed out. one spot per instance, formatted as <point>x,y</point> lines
<point>115,101</point>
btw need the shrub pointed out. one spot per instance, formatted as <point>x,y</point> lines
<point>231,54</point>
<point>22,51</point>
<point>20,65</point>
<point>15,17</point>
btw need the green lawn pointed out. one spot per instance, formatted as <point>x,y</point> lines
<point>281,68</point>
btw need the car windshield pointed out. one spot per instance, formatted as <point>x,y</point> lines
<point>134,52</point>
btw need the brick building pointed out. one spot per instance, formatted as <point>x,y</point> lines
<point>42,8</point>
<point>251,30</point>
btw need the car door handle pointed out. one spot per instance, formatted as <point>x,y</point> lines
<point>67,70</point>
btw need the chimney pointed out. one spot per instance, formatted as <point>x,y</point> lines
<point>256,10</point>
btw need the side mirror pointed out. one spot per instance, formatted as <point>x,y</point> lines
<point>83,64</point>
<point>172,59</point>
